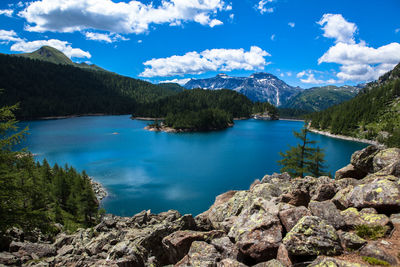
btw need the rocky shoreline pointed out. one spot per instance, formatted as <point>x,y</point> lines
<point>349,138</point>
<point>98,189</point>
<point>280,221</point>
<point>167,129</point>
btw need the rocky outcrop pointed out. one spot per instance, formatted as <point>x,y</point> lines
<point>279,221</point>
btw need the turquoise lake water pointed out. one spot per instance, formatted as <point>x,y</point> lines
<point>161,171</point>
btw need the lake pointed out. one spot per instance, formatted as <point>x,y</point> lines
<point>160,171</point>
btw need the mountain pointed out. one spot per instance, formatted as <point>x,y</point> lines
<point>263,87</point>
<point>52,55</point>
<point>45,89</point>
<point>320,98</point>
<point>373,114</point>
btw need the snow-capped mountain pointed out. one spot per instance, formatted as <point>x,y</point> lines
<point>262,87</point>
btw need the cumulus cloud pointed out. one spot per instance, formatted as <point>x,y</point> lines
<point>309,78</point>
<point>397,30</point>
<point>338,28</point>
<point>262,6</point>
<point>291,24</point>
<point>6,12</point>
<point>208,60</point>
<point>121,17</point>
<point>63,46</point>
<point>178,81</point>
<point>9,36</point>
<point>273,36</point>
<point>359,62</point>
<point>104,37</point>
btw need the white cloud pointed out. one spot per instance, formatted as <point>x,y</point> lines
<point>291,24</point>
<point>9,36</point>
<point>104,37</point>
<point>397,30</point>
<point>262,6</point>
<point>208,60</point>
<point>282,75</point>
<point>63,46</point>
<point>232,16</point>
<point>121,17</point>
<point>289,73</point>
<point>309,77</point>
<point>178,81</point>
<point>273,36</point>
<point>6,12</point>
<point>338,28</point>
<point>358,61</point>
<point>140,41</point>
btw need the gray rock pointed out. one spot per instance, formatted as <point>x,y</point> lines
<point>67,249</point>
<point>332,262</point>
<point>177,244</point>
<point>385,158</point>
<point>27,248</point>
<point>257,231</point>
<point>312,236</point>
<point>395,218</point>
<point>291,216</point>
<point>230,263</point>
<point>266,191</point>
<point>200,254</point>
<point>324,192</point>
<point>352,218</point>
<point>271,263</point>
<point>363,159</point>
<point>225,247</point>
<point>283,256</point>
<point>374,251</point>
<point>350,171</point>
<point>7,258</point>
<point>327,211</point>
<point>351,240</point>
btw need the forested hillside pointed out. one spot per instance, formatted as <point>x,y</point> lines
<point>47,89</point>
<point>372,114</point>
<point>35,195</point>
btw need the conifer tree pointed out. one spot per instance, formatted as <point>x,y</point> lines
<point>317,163</point>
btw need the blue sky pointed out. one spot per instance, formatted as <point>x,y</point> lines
<point>304,42</point>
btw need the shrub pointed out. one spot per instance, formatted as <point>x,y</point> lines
<point>374,261</point>
<point>371,232</point>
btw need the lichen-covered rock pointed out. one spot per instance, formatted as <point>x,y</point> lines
<point>271,263</point>
<point>351,240</point>
<point>352,218</point>
<point>67,249</point>
<point>7,258</point>
<point>324,192</point>
<point>96,244</point>
<point>327,210</point>
<point>277,178</point>
<point>225,247</point>
<point>395,218</point>
<point>257,232</point>
<point>266,191</point>
<point>374,251</point>
<point>384,158</point>
<point>27,248</point>
<point>177,244</point>
<point>382,194</point>
<point>363,159</point>
<point>345,182</point>
<point>332,262</point>
<point>230,263</point>
<point>289,217</point>
<point>350,171</point>
<point>312,236</point>
<point>283,256</point>
<point>200,254</point>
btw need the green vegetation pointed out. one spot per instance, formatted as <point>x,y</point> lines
<point>35,195</point>
<point>203,120</point>
<point>371,232</point>
<point>375,261</point>
<point>45,89</point>
<point>303,159</point>
<point>372,114</point>
<point>202,110</point>
<point>320,98</point>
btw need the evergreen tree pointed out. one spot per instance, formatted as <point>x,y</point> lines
<point>303,158</point>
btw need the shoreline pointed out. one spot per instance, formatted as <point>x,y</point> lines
<point>98,189</point>
<point>283,119</point>
<point>71,116</point>
<point>172,130</point>
<point>343,137</point>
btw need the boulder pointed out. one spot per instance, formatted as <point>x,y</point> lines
<point>350,171</point>
<point>200,254</point>
<point>8,258</point>
<point>312,236</point>
<point>177,244</point>
<point>395,218</point>
<point>277,178</point>
<point>352,218</point>
<point>230,263</point>
<point>327,211</point>
<point>27,248</point>
<point>96,244</point>
<point>382,193</point>
<point>345,182</point>
<point>351,241</point>
<point>302,189</point>
<point>291,216</point>
<point>385,158</point>
<point>266,191</point>
<point>283,256</point>
<point>225,247</point>
<point>363,159</point>
<point>324,192</point>
<point>374,251</point>
<point>257,232</point>
<point>332,262</point>
<point>67,249</point>
<point>271,263</point>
